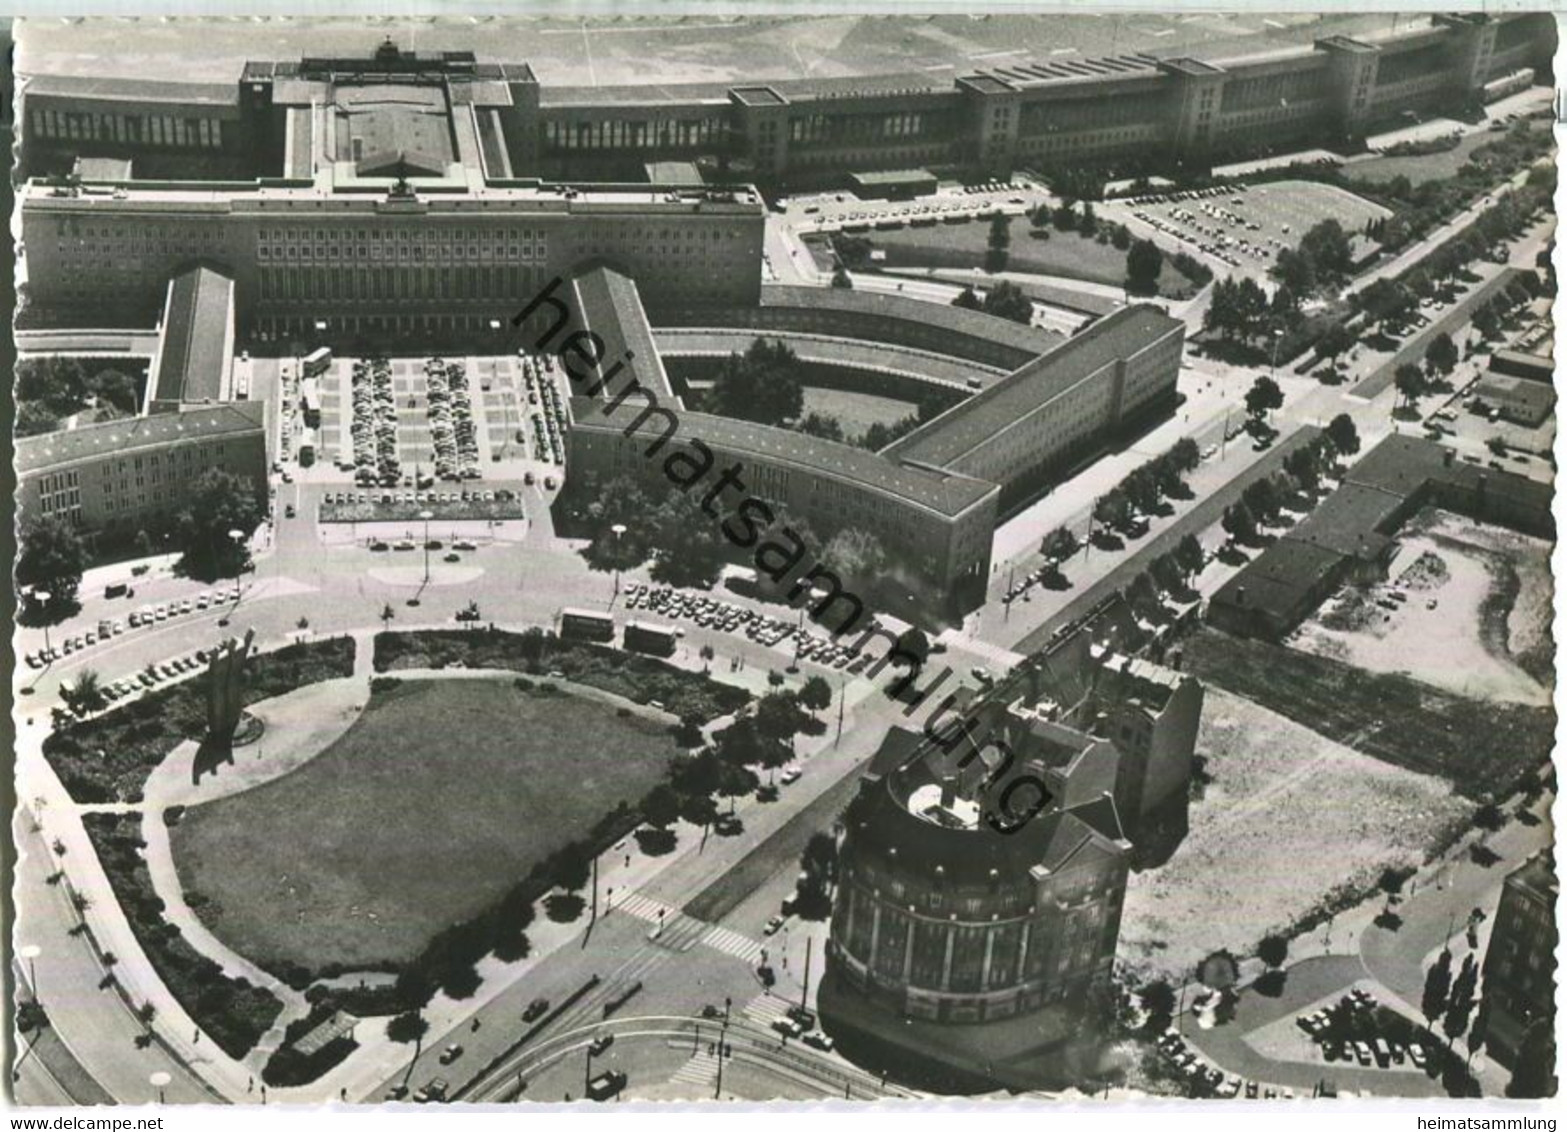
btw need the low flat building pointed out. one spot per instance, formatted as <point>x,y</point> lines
<point>1524,364</point>
<point>1525,401</point>
<point>1352,534</point>
<point>194,361</point>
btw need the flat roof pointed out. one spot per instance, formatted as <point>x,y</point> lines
<point>975,324</point>
<point>1279,578</point>
<point>191,360</point>
<point>946,494</point>
<point>884,177</point>
<point>827,349</point>
<point>1350,521</point>
<point>111,88</point>
<point>130,434</point>
<point>965,427</point>
<point>383,124</point>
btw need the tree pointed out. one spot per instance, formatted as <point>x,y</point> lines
<point>571,867</point>
<point>1167,573</point>
<point>620,502</point>
<point>34,419</point>
<point>816,694</point>
<point>1059,545</point>
<point>1460,1001</point>
<point>735,782</point>
<point>968,300</point>
<point>841,278</point>
<point>1263,497</point>
<point>1159,999</point>
<point>1112,509</point>
<point>691,549</point>
<point>1144,261</point>
<point>52,559</point>
<point>1189,553</point>
<point>85,694</point>
<point>1184,455</point>
<point>1326,246</point>
<point>761,385</point>
<point>999,240</point>
<point>1410,381</point>
<point>856,554</point>
<point>661,806</point>
<point>1273,950</point>
<point>1293,269</point>
<point>408,1029</point>
<point>218,503</point>
<point>699,809</point>
<point>1006,300</point>
<point>1344,435</point>
<point>1064,217</point>
<point>823,426</point>
<point>1439,980</point>
<point>1264,396</point>
<point>1142,592</point>
<point>1087,222</point>
<point>1239,523</point>
<point>913,642</point>
<point>1441,355</point>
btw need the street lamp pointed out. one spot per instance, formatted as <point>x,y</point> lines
<point>617,529</point>
<point>42,598</point>
<point>159,1081</point>
<point>426,516</point>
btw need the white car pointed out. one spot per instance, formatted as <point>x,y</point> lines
<point>790,776</point>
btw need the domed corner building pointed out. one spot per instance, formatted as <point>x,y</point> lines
<point>963,958</point>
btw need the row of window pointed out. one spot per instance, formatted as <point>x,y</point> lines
<point>153,129</point>
<point>623,133</point>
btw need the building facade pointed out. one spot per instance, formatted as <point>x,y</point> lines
<point>1518,987</point>
<point>115,479</point>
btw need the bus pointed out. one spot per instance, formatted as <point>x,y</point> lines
<point>646,637</point>
<point>606,1085</point>
<point>307,449</point>
<point>586,625</point>
<point>310,402</point>
<point>317,362</point>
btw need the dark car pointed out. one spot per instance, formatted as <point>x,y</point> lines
<point>289,512</point>
<point>600,1044</point>
<point>536,1009</point>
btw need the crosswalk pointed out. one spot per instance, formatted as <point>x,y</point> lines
<point>699,1073</point>
<point>733,943</point>
<point>675,931</point>
<point>765,1009</point>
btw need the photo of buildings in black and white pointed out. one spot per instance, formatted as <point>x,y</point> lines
<point>784,558</point>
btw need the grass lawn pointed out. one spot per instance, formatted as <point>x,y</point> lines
<point>397,831</point>
<point>1064,253</point>
<point>1426,167</point>
<point>855,412</point>
<point>1481,748</point>
<point>1287,817</point>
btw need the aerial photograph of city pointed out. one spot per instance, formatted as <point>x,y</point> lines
<point>783,557</point>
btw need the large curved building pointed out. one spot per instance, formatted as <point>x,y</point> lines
<point>977,909</point>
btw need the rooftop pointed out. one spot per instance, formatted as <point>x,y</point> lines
<point>975,324</point>
<point>1537,877</point>
<point>193,351</point>
<point>113,88</point>
<point>385,125</point>
<point>946,495</point>
<point>205,422</point>
<point>977,420</point>
<point>609,305</point>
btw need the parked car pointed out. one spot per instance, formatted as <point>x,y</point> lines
<point>451,1053</point>
<point>772,925</point>
<point>433,1091</point>
<point>601,1043</point>
<point>818,1040</point>
<point>536,1009</point>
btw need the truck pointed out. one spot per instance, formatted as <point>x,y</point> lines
<point>307,448</point>
<point>317,362</point>
<point>606,1085</point>
<point>647,637</point>
<point>586,625</point>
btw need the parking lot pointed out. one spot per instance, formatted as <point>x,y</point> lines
<point>1245,227</point>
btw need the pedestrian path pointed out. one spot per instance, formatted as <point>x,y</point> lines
<point>644,907</point>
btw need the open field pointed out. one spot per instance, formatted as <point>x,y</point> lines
<point>1063,253</point>
<point>395,831</point>
<point>1482,748</point>
<point>652,50</point>
<point>1424,167</point>
<point>1288,817</point>
<point>1472,594</point>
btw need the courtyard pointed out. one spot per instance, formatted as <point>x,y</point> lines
<point>396,831</point>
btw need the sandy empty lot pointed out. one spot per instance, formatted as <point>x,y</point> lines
<point>1478,599</point>
<point>1288,817</point>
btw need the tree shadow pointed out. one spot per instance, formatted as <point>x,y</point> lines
<point>1270,984</point>
<point>1389,920</point>
<point>564,907</point>
<point>1483,856</point>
